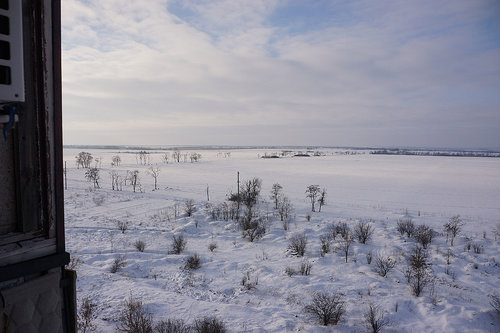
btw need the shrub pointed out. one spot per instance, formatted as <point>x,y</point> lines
<point>134,318</point>
<point>178,244</point>
<point>369,257</point>
<point>453,228</point>
<point>172,326</point>
<point>123,226</point>
<point>118,263</point>
<point>363,231</point>
<point>189,207</point>
<point>345,244</point>
<point>209,325</point>
<point>305,267</point>
<point>423,234</point>
<point>478,249</point>
<point>246,280</point>
<point>297,245</point>
<point>193,262</point>
<point>86,316</point>
<point>328,308</point>
<point>290,271</point>
<point>418,273</point>
<point>406,226</point>
<point>495,302</point>
<point>212,246</point>
<point>343,229</point>
<point>325,243</point>
<point>140,245</point>
<point>383,265</point>
<point>375,318</point>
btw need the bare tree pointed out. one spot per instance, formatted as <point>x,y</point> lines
<point>285,208</point>
<point>116,181</point>
<point>176,156</point>
<point>165,158</point>
<point>276,194</point>
<point>116,160</point>
<point>312,193</point>
<point>423,234</point>
<point>418,273</point>
<point>92,175</point>
<point>345,244</point>
<point>322,199</point>
<point>189,207</point>
<point>154,172</point>
<point>297,245</point>
<point>328,308</point>
<point>453,228</point>
<point>134,318</point>
<point>363,231</point>
<point>195,157</point>
<point>384,265</point>
<point>135,181</point>
<point>375,318</point>
<point>83,159</point>
<point>86,316</point>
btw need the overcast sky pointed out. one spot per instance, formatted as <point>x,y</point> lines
<point>275,72</point>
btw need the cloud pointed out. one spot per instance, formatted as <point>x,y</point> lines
<point>244,66</point>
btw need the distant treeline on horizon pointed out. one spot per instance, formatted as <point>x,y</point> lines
<point>372,150</point>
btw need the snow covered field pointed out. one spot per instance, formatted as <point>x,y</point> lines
<point>360,187</point>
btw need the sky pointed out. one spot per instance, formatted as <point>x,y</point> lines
<point>277,72</point>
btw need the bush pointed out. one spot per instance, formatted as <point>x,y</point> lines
<point>325,243</point>
<point>290,271</point>
<point>123,226</point>
<point>418,273</point>
<point>305,267</point>
<point>343,229</point>
<point>193,262</point>
<point>495,302</point>
<point>189,207</point>
<point>453,228</point>
<point>118,263</point>
<point>86,316</point>
<point>406,226</point>
<point>375,318</point>
<point>134,318</point>
<point>369,257</point>
<point>423,234</point>
<point>209,325</point>
<point>363,231</point>
<point>212,246</point>
<point>297,245</point>
<point>328,308</point>
<point>254,229</point>
<point>140,245</point>
<point>178,244</point>
<point>246,280</point>
<point>172,326</point>
<point>383,265</point>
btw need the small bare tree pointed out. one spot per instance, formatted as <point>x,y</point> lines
<point>345,244</point>
<point>363,231</point>
<point>189,207</point>
<point>176,156</point>
<point>285,208</point>
<point>135,181</point>
<point>418,273</point>
<point>276,194</point>
<point>86,316</point>
<point>453,228</point>
<point>93,176</point>
<point>384,265</point>
<point>297,245</point>
<point>322,199</point>
<point>375,318</point>
<point>312,193</point>
<point>328,308</point>
<point>134,318</point>
<point>423,234</point>
<point>165,158</point>
<point>155,173</point>
<point>178,244</point>
<point>116,160</point>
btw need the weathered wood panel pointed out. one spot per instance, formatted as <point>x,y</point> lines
<point>7,187</point>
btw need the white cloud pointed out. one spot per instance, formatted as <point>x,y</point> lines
<point>135,66</point>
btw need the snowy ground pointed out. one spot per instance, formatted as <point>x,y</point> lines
<point>360,187</point>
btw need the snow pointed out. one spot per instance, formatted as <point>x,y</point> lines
<point>380,188</point>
